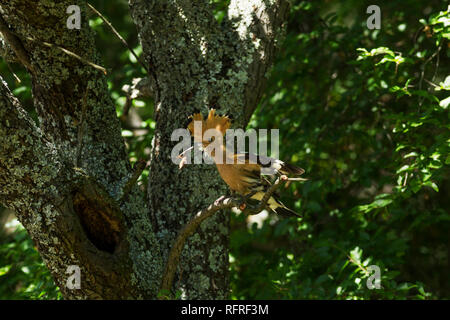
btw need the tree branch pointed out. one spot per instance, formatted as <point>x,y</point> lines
<point>198,63</point>
<point>6,51</point>
<point>70,217</point>
<point>260,26</point>
<point>37,178</point>
<point>128,186</point>
<point>24,153</point>
<point>139,88</point>
<point>192,225</point>
<point>117,34</point>
<point>15,44</point>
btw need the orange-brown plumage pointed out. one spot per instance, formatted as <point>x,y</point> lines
<point>213,121</point>
<point>239,173</point>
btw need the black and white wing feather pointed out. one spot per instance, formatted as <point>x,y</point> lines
<point>270,165</point>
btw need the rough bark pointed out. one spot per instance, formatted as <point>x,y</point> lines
<point>60,83</point>
<point>72,209</point>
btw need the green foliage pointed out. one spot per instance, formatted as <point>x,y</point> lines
<point>365,112</point>
<point>23,275</point>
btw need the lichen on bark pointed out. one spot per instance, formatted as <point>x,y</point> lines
<point>195,63</point>
<point>199,64</point>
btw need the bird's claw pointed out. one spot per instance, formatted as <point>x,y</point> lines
<point>243,200</point>
<point>252,209</point>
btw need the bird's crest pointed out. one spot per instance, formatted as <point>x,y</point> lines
<point>220,123</point>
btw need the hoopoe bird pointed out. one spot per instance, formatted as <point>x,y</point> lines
<point>240,171</point>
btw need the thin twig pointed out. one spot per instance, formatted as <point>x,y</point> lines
<point>118,35</point>
<point>431,83</point>
<point>405,180</point>
<point>12,72</point>
<point>359,265</point>
<point>140,87</point>
<point>16,45</point>
<point>138,168</point>
<point>70,53</point>
<point>221,203</point>
<point>437,62</point>
<point>422,73</point>
<point>186,232</point>
<point>351,259</point>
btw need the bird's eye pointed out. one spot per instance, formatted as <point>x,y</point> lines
<point>211,139</point>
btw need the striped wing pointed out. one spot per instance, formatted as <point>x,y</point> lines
<point>268,165</point>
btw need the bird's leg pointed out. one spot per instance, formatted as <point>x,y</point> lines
<point>239,198</point>
<point>236,196</point>
<point>252,208</point>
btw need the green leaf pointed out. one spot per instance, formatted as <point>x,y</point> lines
<point>4,270</point>
<point>444,103</point>
<point>432,185</point>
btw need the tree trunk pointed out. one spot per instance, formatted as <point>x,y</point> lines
<point>65,178</point>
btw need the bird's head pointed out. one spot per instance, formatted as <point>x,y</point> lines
<point>205,131</point>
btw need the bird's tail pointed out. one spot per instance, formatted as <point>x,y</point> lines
<point>286,212</point>
<point>282,210</point>
<point>276,205</point>
<point>287,169</point>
